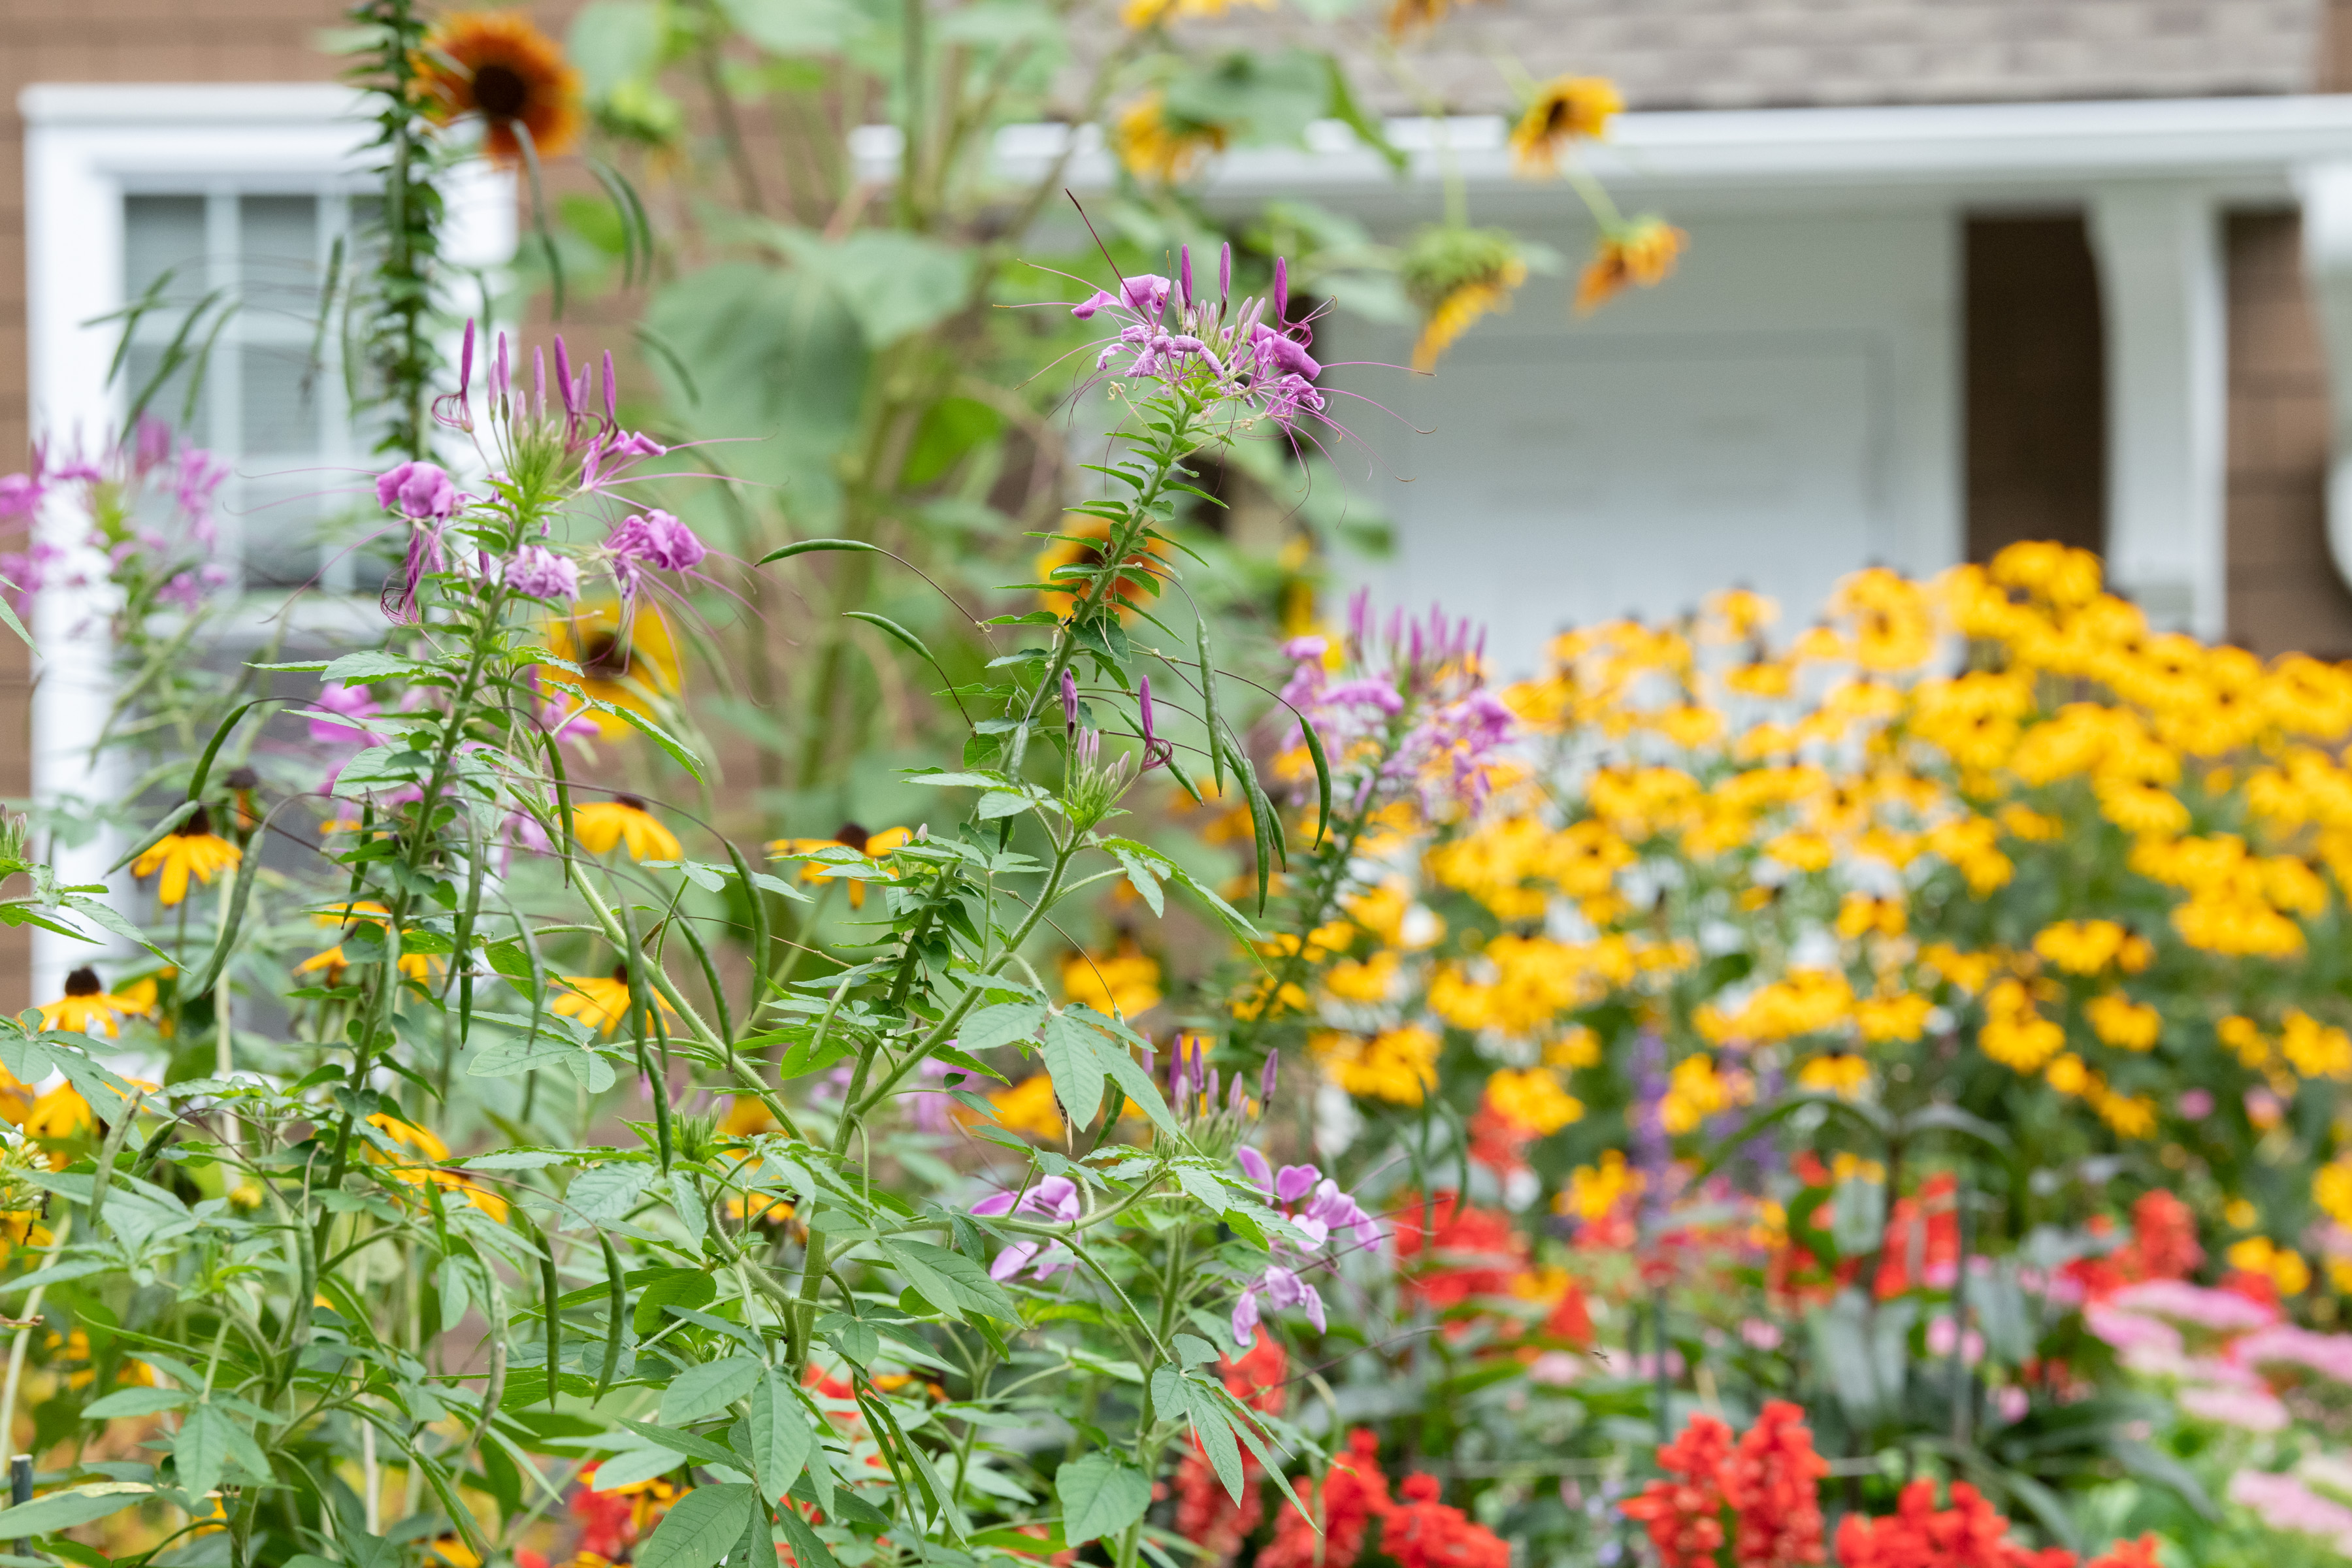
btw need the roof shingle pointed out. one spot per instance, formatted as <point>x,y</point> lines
<point>1757,54</point>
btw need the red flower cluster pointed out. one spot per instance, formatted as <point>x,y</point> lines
<point>1422,1532</point>
<point>1685,1515</point>
<point>1970,1533</point>
<point>1923,1240</point>
<point>1206,1513</point>
<point>1772,1484</point>
<point>1350,1497</point>
<point>1260,1377</point>
<point>1489,1252</point>
<point>2163,1245</point>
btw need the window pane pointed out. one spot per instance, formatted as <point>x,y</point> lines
<point>277,262</point>
<point>282,412</point>
<point>279,524</point>
<point>168,403</point>
<point>161,235</point>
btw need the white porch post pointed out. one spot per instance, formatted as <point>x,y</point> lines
<point>2327,191</point>
<point>2161,288</point>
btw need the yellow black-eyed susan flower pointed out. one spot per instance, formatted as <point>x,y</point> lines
<point>624,820</point>
<point>191,849</point>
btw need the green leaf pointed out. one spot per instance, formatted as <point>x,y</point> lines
<point>683,1287</point>
<point>212,748</point>
<point>200,1450</point>
<point>700,1528</point>
<point>604,1192</point>
<point>986,1028</point>
<point>1216,1435</point>
<point>950,1279</point>
<point>77,1505</point>
<point>134,1402</point>
<point>781,1435</point>
<point>1101,1495</point>
<point>703,1391</point>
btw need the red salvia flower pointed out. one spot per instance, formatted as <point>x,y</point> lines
<point>1422,1532</point>
<point>1772,1484</point>
<point>1685,1515</point>
<point>1352,1495</point>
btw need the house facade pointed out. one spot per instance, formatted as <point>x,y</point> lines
<point>1961,272</point>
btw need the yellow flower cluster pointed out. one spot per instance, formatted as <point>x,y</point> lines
<point>1398,1065</point>
<point>1998,808</point>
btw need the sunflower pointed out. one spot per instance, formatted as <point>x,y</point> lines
<point>600,1002</point>
<point>1457,274</point>
<point>192,848</point>
<point>629,660</point>
<point>497,66</point>
<point>87,1006</point>
<point>625,820</point>
<point>1567,108</point>
<point>1083,546</point>
<point>848,835</point>
<point>1642,252</point>
<point>1153,147</point>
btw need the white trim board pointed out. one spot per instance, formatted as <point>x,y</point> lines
<point>2238,149</point>
<point>86,147</point>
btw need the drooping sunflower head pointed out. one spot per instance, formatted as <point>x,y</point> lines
<point>626,659</point>
<point>1565,109</point>
<point>498,67</point>
<point>1456,275</point>
<point>1161,148</point>
<point>1642,252</point>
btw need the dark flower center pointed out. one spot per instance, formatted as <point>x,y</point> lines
<point>83,982</point>
<point>632,802</point>
<point>603,656</point>
<point>199,825</point>
<point>621,972</point>
<point>500,91</point>
<point>854,836</point>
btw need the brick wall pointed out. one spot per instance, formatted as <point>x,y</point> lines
<point>107,41</point>
<point>2284,593</point>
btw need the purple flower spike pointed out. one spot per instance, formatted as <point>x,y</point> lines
<point>1266,1080</point>
<point>654,537</point>
<point>1211,1095</point>
<point>538,381</point>
<point>1150,1061</point>
<point>1282,289</point>
<point>417,491</point>
<point>542,573</point>
<point>1056,1199</point>
<point>612,392</point>
<point>1224,272</point>
<point>1236,1099</point>
<point>1156,752</point>
<point>501,382</point>
<point>1184,278</point>
<point>563,377</point>
<point>1293,1183</point>
<point>465,361</point>
<point>1070,705</point>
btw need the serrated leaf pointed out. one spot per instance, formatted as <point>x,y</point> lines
<point>606,1192</point>
<point>781,1436</point>
<point>1101,1495</point>
<point>699,1529</point>
<point>703,1391</point>
<point>77,1505</point>
<point>134,1402</point>
<point>988,1027</point>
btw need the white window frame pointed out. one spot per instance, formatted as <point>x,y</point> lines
<point>88,146</point>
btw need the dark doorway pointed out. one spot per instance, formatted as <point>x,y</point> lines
<point>2037,384</point>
